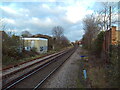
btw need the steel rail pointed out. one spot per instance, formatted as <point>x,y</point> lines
<point>22,77</point>
<point>31,65</point>
<point>41,82</point>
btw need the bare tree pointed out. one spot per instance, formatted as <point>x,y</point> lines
<point>57,32</point>
<point>91,28</point>
<point>25,34</point>
<point>107,15</point>
<point>59,40</point>
<point>2,24</point>
<point>64,41</point>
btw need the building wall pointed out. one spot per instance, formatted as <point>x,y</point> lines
<point>107,41</point>
<point>111,37</point>
<point>40,44</point>
<point>118,36</point>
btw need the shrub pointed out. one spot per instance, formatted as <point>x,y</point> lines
<point>113,68</point>
<point>98,43</point>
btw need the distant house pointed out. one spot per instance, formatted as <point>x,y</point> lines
<point>50,40</point>
<point>41,44</point>
<point>111,37</point>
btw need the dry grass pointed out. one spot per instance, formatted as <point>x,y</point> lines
<point>95,71</point>
<point>97,77</point>
<point>8,61</point>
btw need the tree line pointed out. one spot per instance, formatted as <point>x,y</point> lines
<point>13,48</point>
<point>59,39</point>
<point>96,24</point>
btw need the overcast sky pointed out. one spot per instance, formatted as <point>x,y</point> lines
<point>41,17</point>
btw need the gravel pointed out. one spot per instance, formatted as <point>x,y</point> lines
<point>67,75</point>
<point>4,72</point>
<point>15,75</point>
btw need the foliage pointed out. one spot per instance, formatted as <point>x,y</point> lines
<point>57,32</point>
<point>112,70</point>
<point>91,28</point>
<point>26,34</point>
<point>10,45</point>
<point>11,52</point>
<point>98,43</point>
<point>59,40</point>
<point>104,14</point>
<point>2,24</point>
<point>93,41</point>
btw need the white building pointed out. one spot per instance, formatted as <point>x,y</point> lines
<point>40,44</point>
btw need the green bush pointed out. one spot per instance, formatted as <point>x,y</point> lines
<point>98,44</point>
<point>11,50</point>
<point>113,68</point>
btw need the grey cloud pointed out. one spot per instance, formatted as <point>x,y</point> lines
<point>56,14</point>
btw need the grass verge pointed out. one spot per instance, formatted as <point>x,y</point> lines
<point>27,56</point>
<point>9,61</point>
<point>96,77</point>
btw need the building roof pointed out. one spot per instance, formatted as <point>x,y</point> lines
<point>35,39</point>
<point>41,36</point>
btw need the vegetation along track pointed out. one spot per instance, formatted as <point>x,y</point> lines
<point>35,78</point>
<point>8,76</point>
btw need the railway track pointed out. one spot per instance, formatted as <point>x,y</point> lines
<point>37,76</point>
<point>27,67</point>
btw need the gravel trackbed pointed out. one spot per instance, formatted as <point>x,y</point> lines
<point>67,75</point>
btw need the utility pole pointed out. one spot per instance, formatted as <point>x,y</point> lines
<point>110,18</point>
<point>104,19</point>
